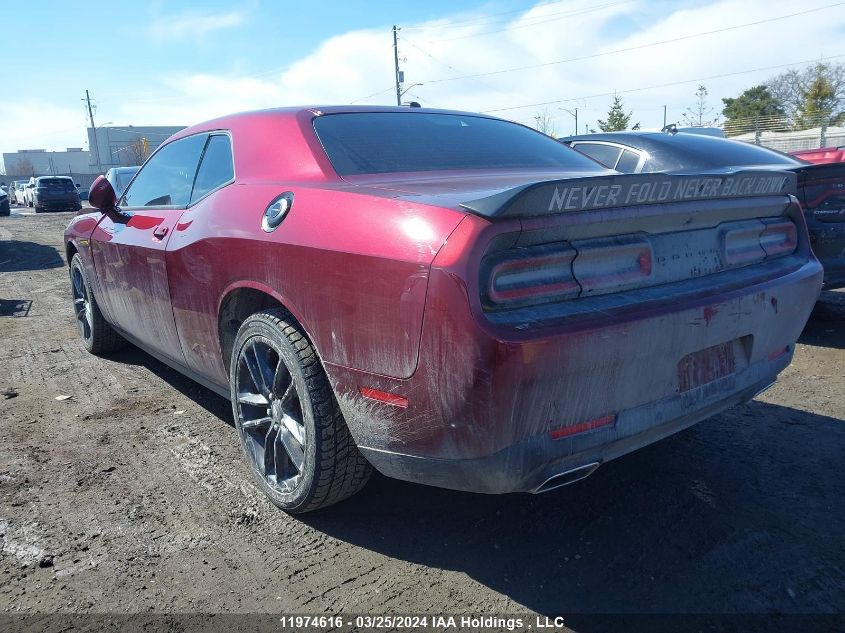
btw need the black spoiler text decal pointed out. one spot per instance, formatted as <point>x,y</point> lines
<point>604,192</point>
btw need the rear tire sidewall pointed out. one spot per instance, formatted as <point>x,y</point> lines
<point>306,486</point>
<point>76,264</point>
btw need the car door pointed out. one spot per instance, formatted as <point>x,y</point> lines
<point>128,247</point>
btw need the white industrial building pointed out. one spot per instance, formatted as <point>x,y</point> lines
<point>110,146</point>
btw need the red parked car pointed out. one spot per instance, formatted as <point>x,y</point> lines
<point>450,298</point>
<point>821,156</point>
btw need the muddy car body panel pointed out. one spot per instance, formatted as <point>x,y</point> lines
<point>487,329</point>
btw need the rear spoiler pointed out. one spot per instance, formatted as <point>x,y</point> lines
<point>627,190</point>
<point>809,174</point>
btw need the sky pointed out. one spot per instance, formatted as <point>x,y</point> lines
<point>181,62</point>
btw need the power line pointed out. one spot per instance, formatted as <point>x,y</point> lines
<point>484,20</point>
<point>443,63</point>
<point>537,20</point>
<point>665,85</point>
<point>633,48</point>
<point>372,95</point>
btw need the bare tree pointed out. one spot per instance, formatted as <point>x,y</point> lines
<point>791,88</point>
<point>22,167</point>
<point>699,114</point>
<point>546,123</point>
<point>139,150</point>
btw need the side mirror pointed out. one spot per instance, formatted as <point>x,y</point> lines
<point>101,195</point>
<point>78,186</point>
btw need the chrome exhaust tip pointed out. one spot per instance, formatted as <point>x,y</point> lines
<point>566,477</point>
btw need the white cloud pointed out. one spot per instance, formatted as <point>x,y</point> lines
<point>194,24</point>
<point>35,124</point>
<point>353,65</point>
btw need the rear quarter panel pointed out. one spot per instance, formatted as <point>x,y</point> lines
<point>352,268</point>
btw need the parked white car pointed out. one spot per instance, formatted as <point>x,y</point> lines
<point>18,195</point>
<point>120,177</point>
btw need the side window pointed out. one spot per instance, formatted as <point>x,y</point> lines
<point>605,154</point>
<point>166,179</point>
<point>216,167</point>
<point>628,162</point>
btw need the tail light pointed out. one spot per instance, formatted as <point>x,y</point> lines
<point>609,265</point>
<point>555,272</point>
<point>548,273</point>
<point>530,276</point>
<point>741,243</point>
<point>780,237</point>
<point>754,241</point>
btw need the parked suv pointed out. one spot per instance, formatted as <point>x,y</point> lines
<point>53,193</point>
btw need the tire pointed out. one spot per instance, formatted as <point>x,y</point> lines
<point>39,209</point>
<point>5,208</point>
<point>29,203</point>
<point>97,335</point>
<point>303,425</point>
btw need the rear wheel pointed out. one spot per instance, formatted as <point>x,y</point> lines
<point>291,429</point>
<point>98,336</point>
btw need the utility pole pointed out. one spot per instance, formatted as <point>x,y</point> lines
<point>664,116</point>
<point>396,65</point>
<point>94,130</point>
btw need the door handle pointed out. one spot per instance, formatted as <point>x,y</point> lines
<point>160,231</point>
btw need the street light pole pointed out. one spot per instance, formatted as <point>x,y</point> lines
<point>401,94</point>
<point>574,114</point>
<point>94,130</point>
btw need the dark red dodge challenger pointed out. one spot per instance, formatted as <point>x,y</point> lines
<point>450,298</point>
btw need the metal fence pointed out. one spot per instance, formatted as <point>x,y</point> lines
<point>788,134</point>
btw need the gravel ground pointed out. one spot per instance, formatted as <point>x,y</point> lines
<point>131,496</point>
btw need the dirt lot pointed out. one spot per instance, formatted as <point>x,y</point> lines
<point>132,496</point>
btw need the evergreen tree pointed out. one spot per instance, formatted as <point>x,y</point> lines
<point>754,108</point>
<point>616,120</point>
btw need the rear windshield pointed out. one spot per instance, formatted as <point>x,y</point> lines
<point>390,142</point>
<point>55,182</point>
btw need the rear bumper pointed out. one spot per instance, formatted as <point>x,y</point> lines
<point>486,397</point>
<point>55,205</point>
<point>526,465</point>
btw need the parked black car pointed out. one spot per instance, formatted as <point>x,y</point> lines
<point>5,206</point>
<point>56,193</point>
<point>821,188</point>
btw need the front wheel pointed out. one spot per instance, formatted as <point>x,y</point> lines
<point>291,429</point>
<point>97,335</point>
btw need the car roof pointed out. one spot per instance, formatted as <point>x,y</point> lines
<point>697,151</point>
<point>310,112</point>
<point>303,157</point>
